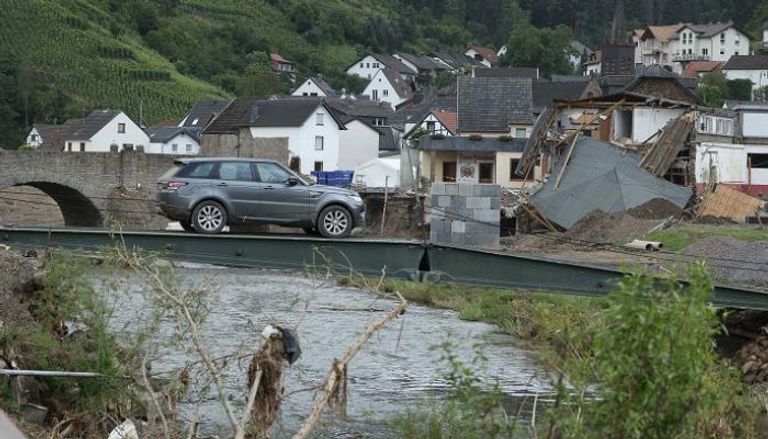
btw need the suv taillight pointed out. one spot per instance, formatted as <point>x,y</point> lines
<point>175,185</point>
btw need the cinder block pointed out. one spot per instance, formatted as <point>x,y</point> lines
<point>443,201</point>
<point>488,216</point>
<point>479,202</point>
<point>451,189</point>
<point>466,189</point>
<point>458,227</point>
<point>496,203</point>
<point>477,190</point>
<point>458,202</point>
<point>437,188</point>
<point>490,190</point>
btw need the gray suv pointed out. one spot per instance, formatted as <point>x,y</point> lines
<point>207,194</point>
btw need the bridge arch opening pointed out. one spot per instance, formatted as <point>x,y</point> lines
<point>76,209</point>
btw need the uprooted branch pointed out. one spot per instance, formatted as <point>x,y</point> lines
<point>335,381</point>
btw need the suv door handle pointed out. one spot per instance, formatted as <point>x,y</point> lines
<point>222,184</point>
<point>269,187</point>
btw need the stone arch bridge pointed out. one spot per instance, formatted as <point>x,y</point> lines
<point>92,189</point>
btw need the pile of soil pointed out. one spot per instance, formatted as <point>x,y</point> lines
<point>17,281</point>
<point>737,261</point>
<point>609,228</point>
<point>657,208</point>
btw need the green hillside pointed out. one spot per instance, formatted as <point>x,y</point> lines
<point>65,61</point>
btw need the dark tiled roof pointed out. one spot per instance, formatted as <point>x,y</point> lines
<point>402,88</point>
<point>507,72</point>
<point>51,136</point>
<point>255,112</point>
<point>710,29</point>
<point>456,60</point>
<point>485,144</point>
<point>393,63</point>
<point>387,141</point>
<point>747,62</point>
<point>421,62</point>
<point>581,48</point>
<point>545,92</point>
<point>166,134</point>
<point>361,108</point>
<point>492,104</point>
<point>204,112</point>
<point>84,129</point>
<point>570,78</point>
<point>324,86</point>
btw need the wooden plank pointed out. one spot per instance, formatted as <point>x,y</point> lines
<point>729,203</point>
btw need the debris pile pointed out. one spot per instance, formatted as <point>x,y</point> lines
<point>729,204</point>
<point>752,359</point>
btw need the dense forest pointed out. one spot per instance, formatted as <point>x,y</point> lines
<point>62,58</point>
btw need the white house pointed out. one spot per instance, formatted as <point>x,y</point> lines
<point>173,140</point>
<point>440,122</point>
<point>315,86</point>
<point>484,55</point>
<point>751,67</point>
<point>40,134</point>
<point>378,173</point>
<point>103,131</point>
<point>386,86</point>
<point>708,42</point>
<point>369,65</point>
<point>359,144</point>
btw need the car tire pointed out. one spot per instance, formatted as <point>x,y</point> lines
<point>187,226</point>
<point>209,217</point>
<point>335,222</point>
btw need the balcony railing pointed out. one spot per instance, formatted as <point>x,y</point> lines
<point>690,57</point>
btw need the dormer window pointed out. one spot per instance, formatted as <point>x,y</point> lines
<point>121,128</point>
<point>194,122</point>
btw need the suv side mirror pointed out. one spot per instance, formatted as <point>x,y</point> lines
<point>292,181</point>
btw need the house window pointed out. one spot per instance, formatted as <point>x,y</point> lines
<point>318,166</point>
<point>722,51</point>
<point>485,173</point>
<point>521,133</point>
<point>378,121</point>
<point>449,171</point>
<point>127,146</point>
<point>188,147</point>
<point>368,65</point>
<point>375,95</point>
<point>69,146</point>
<point>194,122</point>
<point>361,65</point>
<point>175,148</point>
<point>319,143</point>
<point>33,137</point>
<point>319,119</point>
<point>313,94</point>
<point>431,126</point>
<point>512,167</point>
<point>121,128</point>
<point>385,92</point>
<point>295,164</point>
<point>82,146</point>
<point>758,161</point>
<point>705,51</point>
<point>736,52</point>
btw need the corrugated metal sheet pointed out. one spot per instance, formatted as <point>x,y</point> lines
<point>601,176</point>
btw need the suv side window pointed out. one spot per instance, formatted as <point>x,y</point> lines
<point>196,170</point>
<point>272,173</point>
<point>235,171</point>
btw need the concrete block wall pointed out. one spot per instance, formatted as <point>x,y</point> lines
<point>465,214</point>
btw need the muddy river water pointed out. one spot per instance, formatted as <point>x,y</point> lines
<point>397,370</point>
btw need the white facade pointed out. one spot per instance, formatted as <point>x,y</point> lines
<point>359,144</point>
<point>648,121</point>
<point>378,173</point>
<point>34,139</point>
<point>381,89</point>
<point>309,88</point>
<point>366,67</point>
<point>731,164</point>
<point>182,144</point>
<point>690,46</point>
<point>317,146</point>
<point>474,54</point>
<point>120,131</point>
<point>593,69</point>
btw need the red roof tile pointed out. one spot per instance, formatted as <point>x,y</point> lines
<point>447,118</point>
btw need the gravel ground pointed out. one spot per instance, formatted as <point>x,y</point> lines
<point>743,262</point>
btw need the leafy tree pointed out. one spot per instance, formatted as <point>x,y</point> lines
<point>656,369</point>
<point>711,95</point>
<point>260,80</point>
<point>739,89</point>
<point>547,49</point>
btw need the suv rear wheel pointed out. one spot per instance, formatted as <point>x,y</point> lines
<point>209,217</point>
<point>335,222</point>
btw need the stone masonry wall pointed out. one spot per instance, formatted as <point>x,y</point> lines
<point>465,214</point>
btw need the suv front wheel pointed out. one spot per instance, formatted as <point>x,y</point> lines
<point>209,217</point>
<point>335,222</point>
